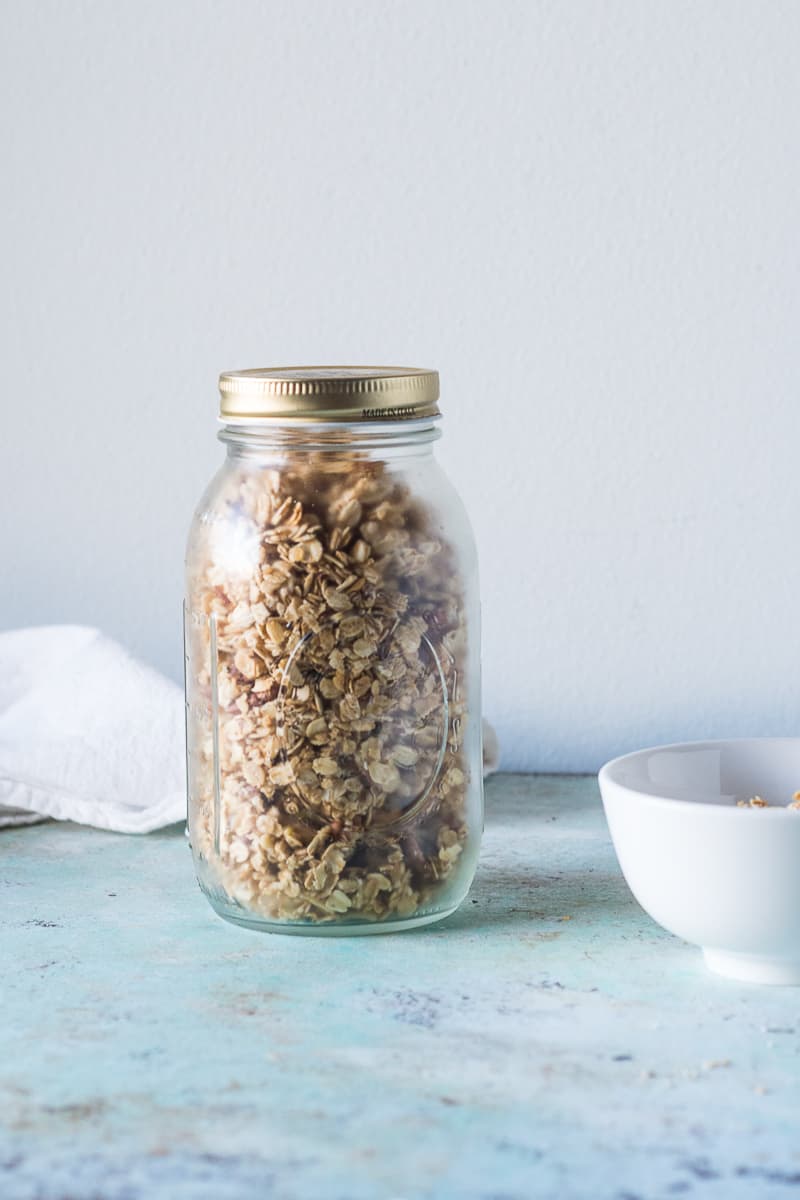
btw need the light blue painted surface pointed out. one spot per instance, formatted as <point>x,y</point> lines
<point>152,1052</point>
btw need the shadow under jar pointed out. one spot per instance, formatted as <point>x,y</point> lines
<point>332,658</point>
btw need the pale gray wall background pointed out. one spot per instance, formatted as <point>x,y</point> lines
<point>584,214</point>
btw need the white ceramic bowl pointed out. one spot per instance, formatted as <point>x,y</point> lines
<point>723,877</point>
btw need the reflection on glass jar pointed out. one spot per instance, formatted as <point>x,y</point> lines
<point>332,644</point>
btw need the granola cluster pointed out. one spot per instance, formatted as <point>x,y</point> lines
<point>328,632</point>
<point>759,802</point>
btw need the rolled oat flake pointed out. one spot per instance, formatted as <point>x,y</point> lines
<point>332,658</point>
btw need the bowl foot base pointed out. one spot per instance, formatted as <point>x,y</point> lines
<point>752,969</point>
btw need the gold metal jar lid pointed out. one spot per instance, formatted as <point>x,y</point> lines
<point>329,394</point>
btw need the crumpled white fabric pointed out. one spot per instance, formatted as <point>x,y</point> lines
<point>87,733</point>
<point>491,750</point>
<point>90,734</point>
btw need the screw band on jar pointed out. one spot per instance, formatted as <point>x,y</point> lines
<point>329,394</point>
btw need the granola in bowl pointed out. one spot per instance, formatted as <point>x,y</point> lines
<point>760,802</point>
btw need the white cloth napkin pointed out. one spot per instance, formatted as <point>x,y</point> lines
<point>89,734</point>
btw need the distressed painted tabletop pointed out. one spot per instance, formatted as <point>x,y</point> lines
<point>546,1040</point>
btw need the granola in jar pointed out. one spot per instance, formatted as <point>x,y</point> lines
<point>332,669</point>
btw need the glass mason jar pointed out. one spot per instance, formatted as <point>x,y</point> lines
<point>332,658</point>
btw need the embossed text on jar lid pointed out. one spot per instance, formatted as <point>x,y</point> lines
<point>329,394</point>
